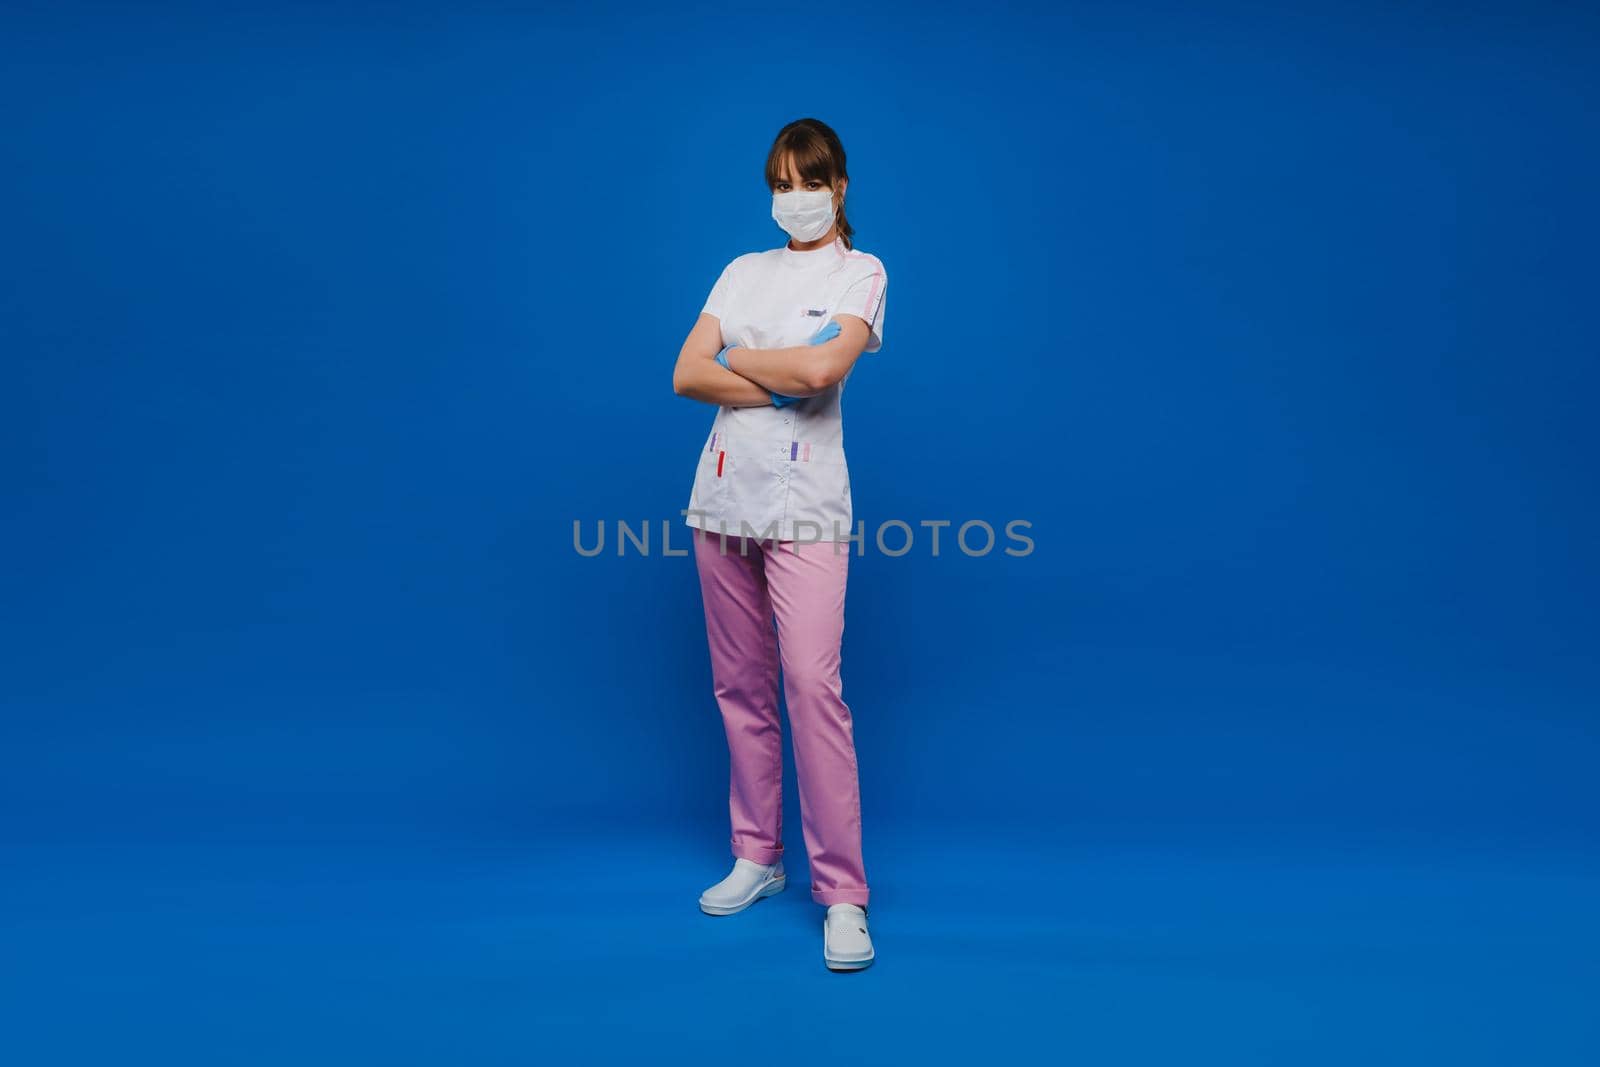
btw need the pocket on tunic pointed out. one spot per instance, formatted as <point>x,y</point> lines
<point>820,491</point>
<point>710,493</point>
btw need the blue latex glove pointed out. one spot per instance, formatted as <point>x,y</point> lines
<point>827,333</point>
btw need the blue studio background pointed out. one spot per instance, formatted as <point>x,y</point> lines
<point>322,323</point>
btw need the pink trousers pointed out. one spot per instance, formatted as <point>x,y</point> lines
<point>746,585</point>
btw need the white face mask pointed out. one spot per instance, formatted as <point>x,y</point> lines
<point>805,214</point>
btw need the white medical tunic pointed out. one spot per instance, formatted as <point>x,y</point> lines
<point>771,472</point>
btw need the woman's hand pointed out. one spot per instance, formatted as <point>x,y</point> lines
<point>827,333</point>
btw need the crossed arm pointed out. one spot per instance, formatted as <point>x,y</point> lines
<point>800,370</point>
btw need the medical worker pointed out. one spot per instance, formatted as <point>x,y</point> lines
<point>772,348</point>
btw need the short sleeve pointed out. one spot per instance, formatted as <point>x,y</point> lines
<point>865,300</point>
<point>721,293</point>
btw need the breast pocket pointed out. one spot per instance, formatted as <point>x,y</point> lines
<point>810,319</point>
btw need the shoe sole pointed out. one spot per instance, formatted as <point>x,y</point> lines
<point>774,886</point>
<point>843,965</point>
<point>849,965</point>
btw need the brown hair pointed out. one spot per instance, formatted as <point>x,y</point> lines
<point>817,155</point>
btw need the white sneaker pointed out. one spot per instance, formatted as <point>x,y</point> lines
<point>747,883</point>
<point>846,945</point>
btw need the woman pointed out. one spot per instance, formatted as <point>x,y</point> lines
<point>772,348</point>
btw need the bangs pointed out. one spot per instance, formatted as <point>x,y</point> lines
<point>811,158</point>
